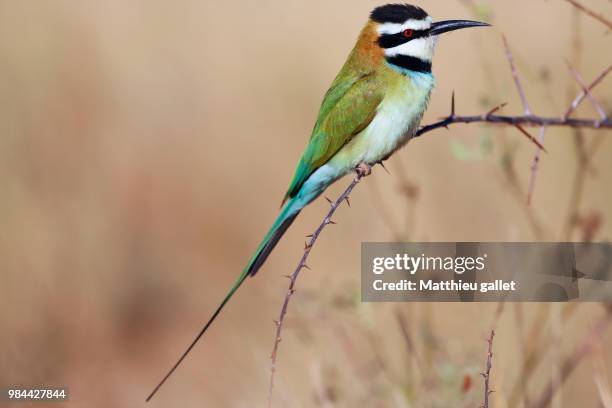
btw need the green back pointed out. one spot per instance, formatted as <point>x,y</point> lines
<point>348,107</point>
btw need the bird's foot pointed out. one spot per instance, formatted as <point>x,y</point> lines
<point>363,169</point>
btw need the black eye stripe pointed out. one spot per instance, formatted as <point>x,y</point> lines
<point>393,40</point>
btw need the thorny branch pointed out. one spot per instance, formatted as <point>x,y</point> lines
<point>529,121</point>
<point>301,265</point>
<point>591,13</point>
<point>519,122</point>
<point>487,373</point>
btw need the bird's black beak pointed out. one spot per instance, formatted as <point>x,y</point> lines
<point>451,25</point>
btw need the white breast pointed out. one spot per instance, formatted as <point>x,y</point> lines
<point>398,116</point>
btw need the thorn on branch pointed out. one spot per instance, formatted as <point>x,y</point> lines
<point>383,166</point>
<point>452,115</point>
<point>533,139</point>
<point>495,109</point>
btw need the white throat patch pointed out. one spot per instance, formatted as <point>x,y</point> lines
<point>421,48</point>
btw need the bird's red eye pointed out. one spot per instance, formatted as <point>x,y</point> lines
<point>408,33</point>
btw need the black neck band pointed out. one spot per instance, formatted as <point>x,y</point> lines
<point>410,63</point>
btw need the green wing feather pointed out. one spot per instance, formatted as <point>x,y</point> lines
<point>348,107</point>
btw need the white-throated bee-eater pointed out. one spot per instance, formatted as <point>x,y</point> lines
<point>373,107</point>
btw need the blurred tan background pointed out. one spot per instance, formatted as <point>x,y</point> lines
<point>146,145</point>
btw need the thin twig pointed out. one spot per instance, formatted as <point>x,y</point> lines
<point>514,184</point>
<point>536,158</point>
<point>585,89</point>
<point>536,351</point>
<point>592,150</point>
<point>535,165</point>
<point>591,13</point>
<point>580,97</point>
<point>301,265</point>
<point>605,396</point>
<point>412,351</point>
<point>600,376</point>
<point>577,191</point>
<point>487,373</point>
<point>522,341</point>
<point>517,80</point>
<point>572,361</point>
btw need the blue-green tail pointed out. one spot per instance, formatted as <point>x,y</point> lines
<point>288,213</point>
